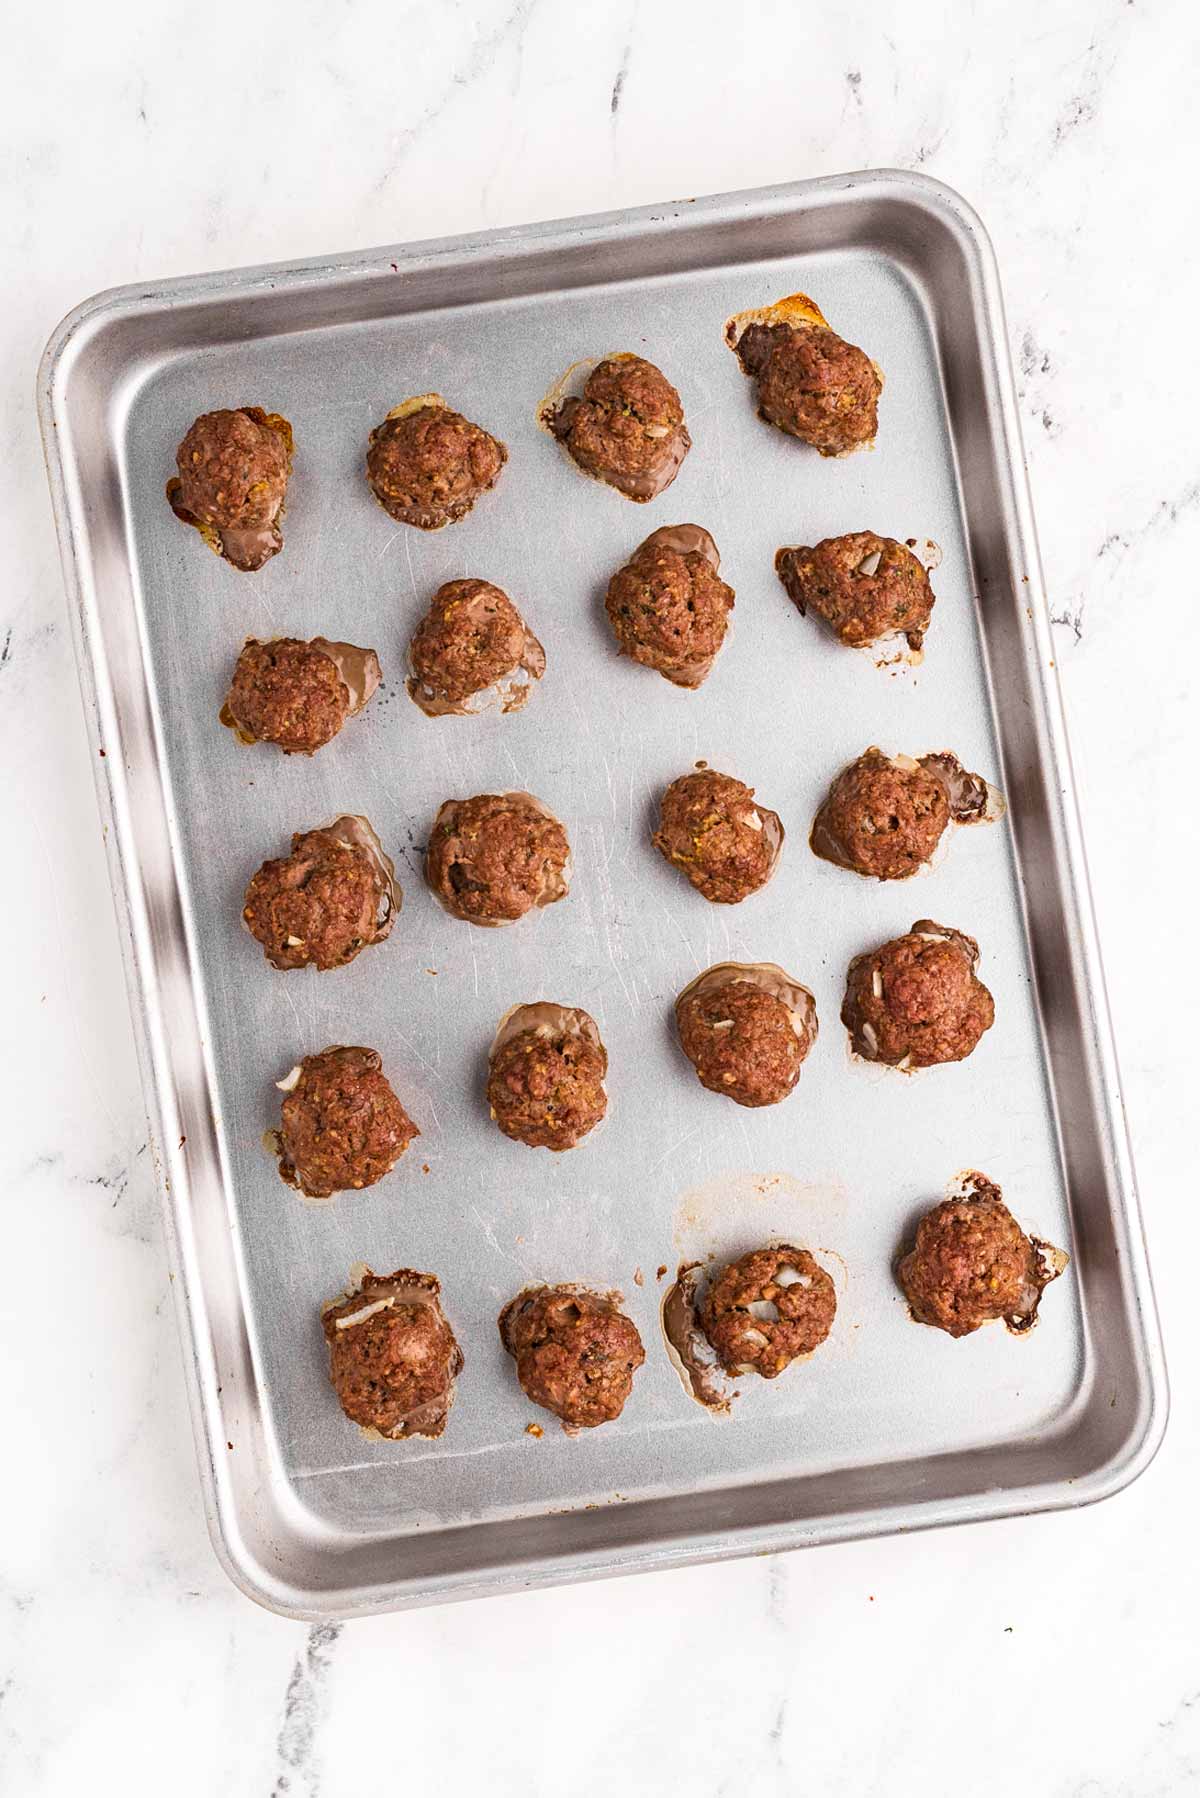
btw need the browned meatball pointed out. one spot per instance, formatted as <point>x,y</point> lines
<point>916,1001</point>
<point>710,827</point>
<point>973,1263</point>
<point>668,607</point>
<point>393,1359</point>
<point>493,858</point>
<point>576,1354</point>
<point>336,893</point>
<point>864,586</point>
<point>471,646</point>
<point>427,465</point>
<point>233,475</point>
<point>813,385</point>
<point>546,1075</point>
<point>627,429</point>
<point>746,1029</point>
<point>766,1308</point>
<point>298,695</point>
<point>884,815</point>
<point>342,1125</point>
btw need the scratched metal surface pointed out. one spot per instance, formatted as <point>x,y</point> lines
<point>889,1420</point>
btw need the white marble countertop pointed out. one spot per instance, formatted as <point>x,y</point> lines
<point>1055,1655</point>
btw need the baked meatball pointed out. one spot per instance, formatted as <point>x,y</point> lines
<point>232,482</point>
<point>746,1029</point>
<point>766,1308</point>
<point>576,1353</point>
<point>546,1075</point>
<point>393,1359</point>
<point>668,607</point>
<point>493,858</point>
<point>916,1001</point>
<point>884,815</point>
<point>336,893</point>
<point>811,382</point>
<point>973,1263</point>
<point>864,586</point>
<point>342,1126</point>
<point>627,429</point>
<point>710,827</point>
<point>427,465</point>
<point>298,695</point>
<point>472,648</point>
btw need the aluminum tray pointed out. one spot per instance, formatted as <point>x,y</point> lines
<point>891,1426</point>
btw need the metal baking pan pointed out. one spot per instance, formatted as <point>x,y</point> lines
<point>891,1426</point>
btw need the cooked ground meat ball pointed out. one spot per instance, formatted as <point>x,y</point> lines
<point>427,465</point>
<point>916,1001</point>
<point>576,1354</point>
<point>493,858</point>
<point>233,475</point>
<point>546,1075</point>
<point>470,641</point>
<point>298,695</point>
<point>973,1263</point>
<point>342,1125</point>
<point>393,1359</point>
<point>668,607</point>
<point>864,586</point>
<point>811,382</point>
<point>746,1029</point>
<point>627,429</point>
<point>336,893</point>
<point>766,1308</point>
<point>885,815</point>
<point>710,827</point>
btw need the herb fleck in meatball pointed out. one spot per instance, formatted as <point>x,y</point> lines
<point>746,1029</point>
<point>342,1125</point>
<point>766,1308</point>
<point>576,1353</point>
<point>668,607</point>
<point>471,647</point>
<point>493,858</point>
<point>627,429</point>
<point>336,893</point>
<point>393,1359</point>
<point>298,695</point>
<point>864,586</point>
<point>811,382</point>
<point>710,827</point>
<point>884,815</point>
<point>546,1075</point>
<point>916,1001</point>
<point>427,465</point>
<point>973,1263</point>
<point>233,475</point>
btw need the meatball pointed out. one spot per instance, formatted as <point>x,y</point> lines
<point>916,1001</point>
<point>746,1029</point>
<point>811,382</point>
<point>342,1126</point>
<point>627,429</point>
<point>973,1263</point>
<point>766,1308</point>
<point>493,858</point>
<point>336,893</point>
<point>710,827</point>
<point>546,1075</point>
<point>427,465</point>
<point>233,475</point>
<point>884,815</point>
<point>472,647</point>
<point>393,1359</point>
<point>576,1353</point>
<point>668,607</point>
<point>298,695</point>
<point>864,586</point>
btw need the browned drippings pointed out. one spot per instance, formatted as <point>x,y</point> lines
<point>688,1348</point>
<point>801,1006</point>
